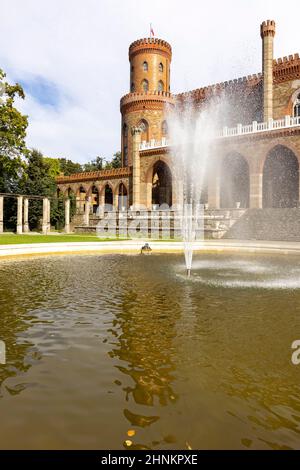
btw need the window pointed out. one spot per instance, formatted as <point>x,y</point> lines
<point>160,86</point>
<point>132,88</point>
<point>145,66</point>
<point>132,69</point>
<point>164,128</point>
<point>145,85</point>
<point>297,107</point>
<point>161,67</point>
<point>143,124</point>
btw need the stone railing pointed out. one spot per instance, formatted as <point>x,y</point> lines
<point>255,127</point>
<point>152,144</point>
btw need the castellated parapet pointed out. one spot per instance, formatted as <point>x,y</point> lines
<point>150,44</point>
<point>267,28</point>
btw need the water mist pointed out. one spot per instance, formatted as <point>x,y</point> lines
<point>193,131</point>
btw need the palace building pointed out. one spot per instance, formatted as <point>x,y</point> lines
<point>258,147</point>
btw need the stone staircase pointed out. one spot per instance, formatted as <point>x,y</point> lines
<point>157,224</point>
<point>267,224</point>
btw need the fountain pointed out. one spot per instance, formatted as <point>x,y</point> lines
<point>192,133</point>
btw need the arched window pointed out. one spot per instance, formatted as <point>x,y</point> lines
<point>132,88</point>
<point>161,67</point>
<point>143,124</point>
<point>164,128</point>
<point>125,144</point>
<point>145,85</point>
<point>297,107</point>
<point>145,66</point>
<point>160,85</point>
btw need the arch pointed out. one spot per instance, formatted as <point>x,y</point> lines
<point>145,85</point>
<point>81,195</point>
<point>70,191</point>
<point>122,197</point>
<point>161,184</point>
<point>95,198</point>
<point>281,178</point>
<point>145,66</point>
<point>234,181</point>
<point>164,128</point>
<point>108,197</point>
<point>160,86</point>
<point>132,87</point>
<point>143,124</point>
<point>160,67</point>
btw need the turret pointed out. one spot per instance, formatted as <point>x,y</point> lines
<point>267,32</point>
<point>145,105</point>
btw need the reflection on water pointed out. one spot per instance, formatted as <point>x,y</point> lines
<point>99,345</point>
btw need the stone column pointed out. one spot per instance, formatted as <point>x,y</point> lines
<point>48,215</point>
<point>116,199</point>
<point>1,213</point>
<point>267,32</point>
<point>25,219</point>
<point>136,170</point>
<point>20,215</point>
<point>256,186</point>
<point>87,211</point>
<point>67,215</point>
<point>77,205</point>
<point>45,216</point>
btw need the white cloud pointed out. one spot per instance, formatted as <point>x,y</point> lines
<point>82,47</point>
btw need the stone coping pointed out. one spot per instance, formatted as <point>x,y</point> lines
<point>134,246</point>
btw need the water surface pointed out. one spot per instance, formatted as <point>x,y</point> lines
<point>99,345</point>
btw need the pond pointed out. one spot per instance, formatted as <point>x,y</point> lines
<point>97,346</point>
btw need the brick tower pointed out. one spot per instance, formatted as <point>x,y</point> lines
<point>144,106</point>
<point>267,32</point>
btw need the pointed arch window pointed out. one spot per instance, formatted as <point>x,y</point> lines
<point>145,85</point>
<point>160,85</point>
<point>297,106</point>
<point>160,67</point>
<point>164,128</point>
<point>145,66</point>
<point>132,87</point>
<point>143,124</point>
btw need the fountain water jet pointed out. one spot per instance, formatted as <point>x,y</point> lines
<point>192,134</point>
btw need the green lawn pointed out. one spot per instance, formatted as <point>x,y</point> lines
<point>11,238</point>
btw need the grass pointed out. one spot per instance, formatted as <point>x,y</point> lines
<point>13,239</point>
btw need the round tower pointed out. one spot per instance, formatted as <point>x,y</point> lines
<point>144,106</point>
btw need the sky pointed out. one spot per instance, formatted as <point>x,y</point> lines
<point>71,57</point>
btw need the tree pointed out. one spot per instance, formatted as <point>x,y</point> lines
<point>67,167</point>
<point>116,161</point>
<point>54,166</point>
<point>13,127</point>
<point>95,165</point>
<point>38,180</point>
